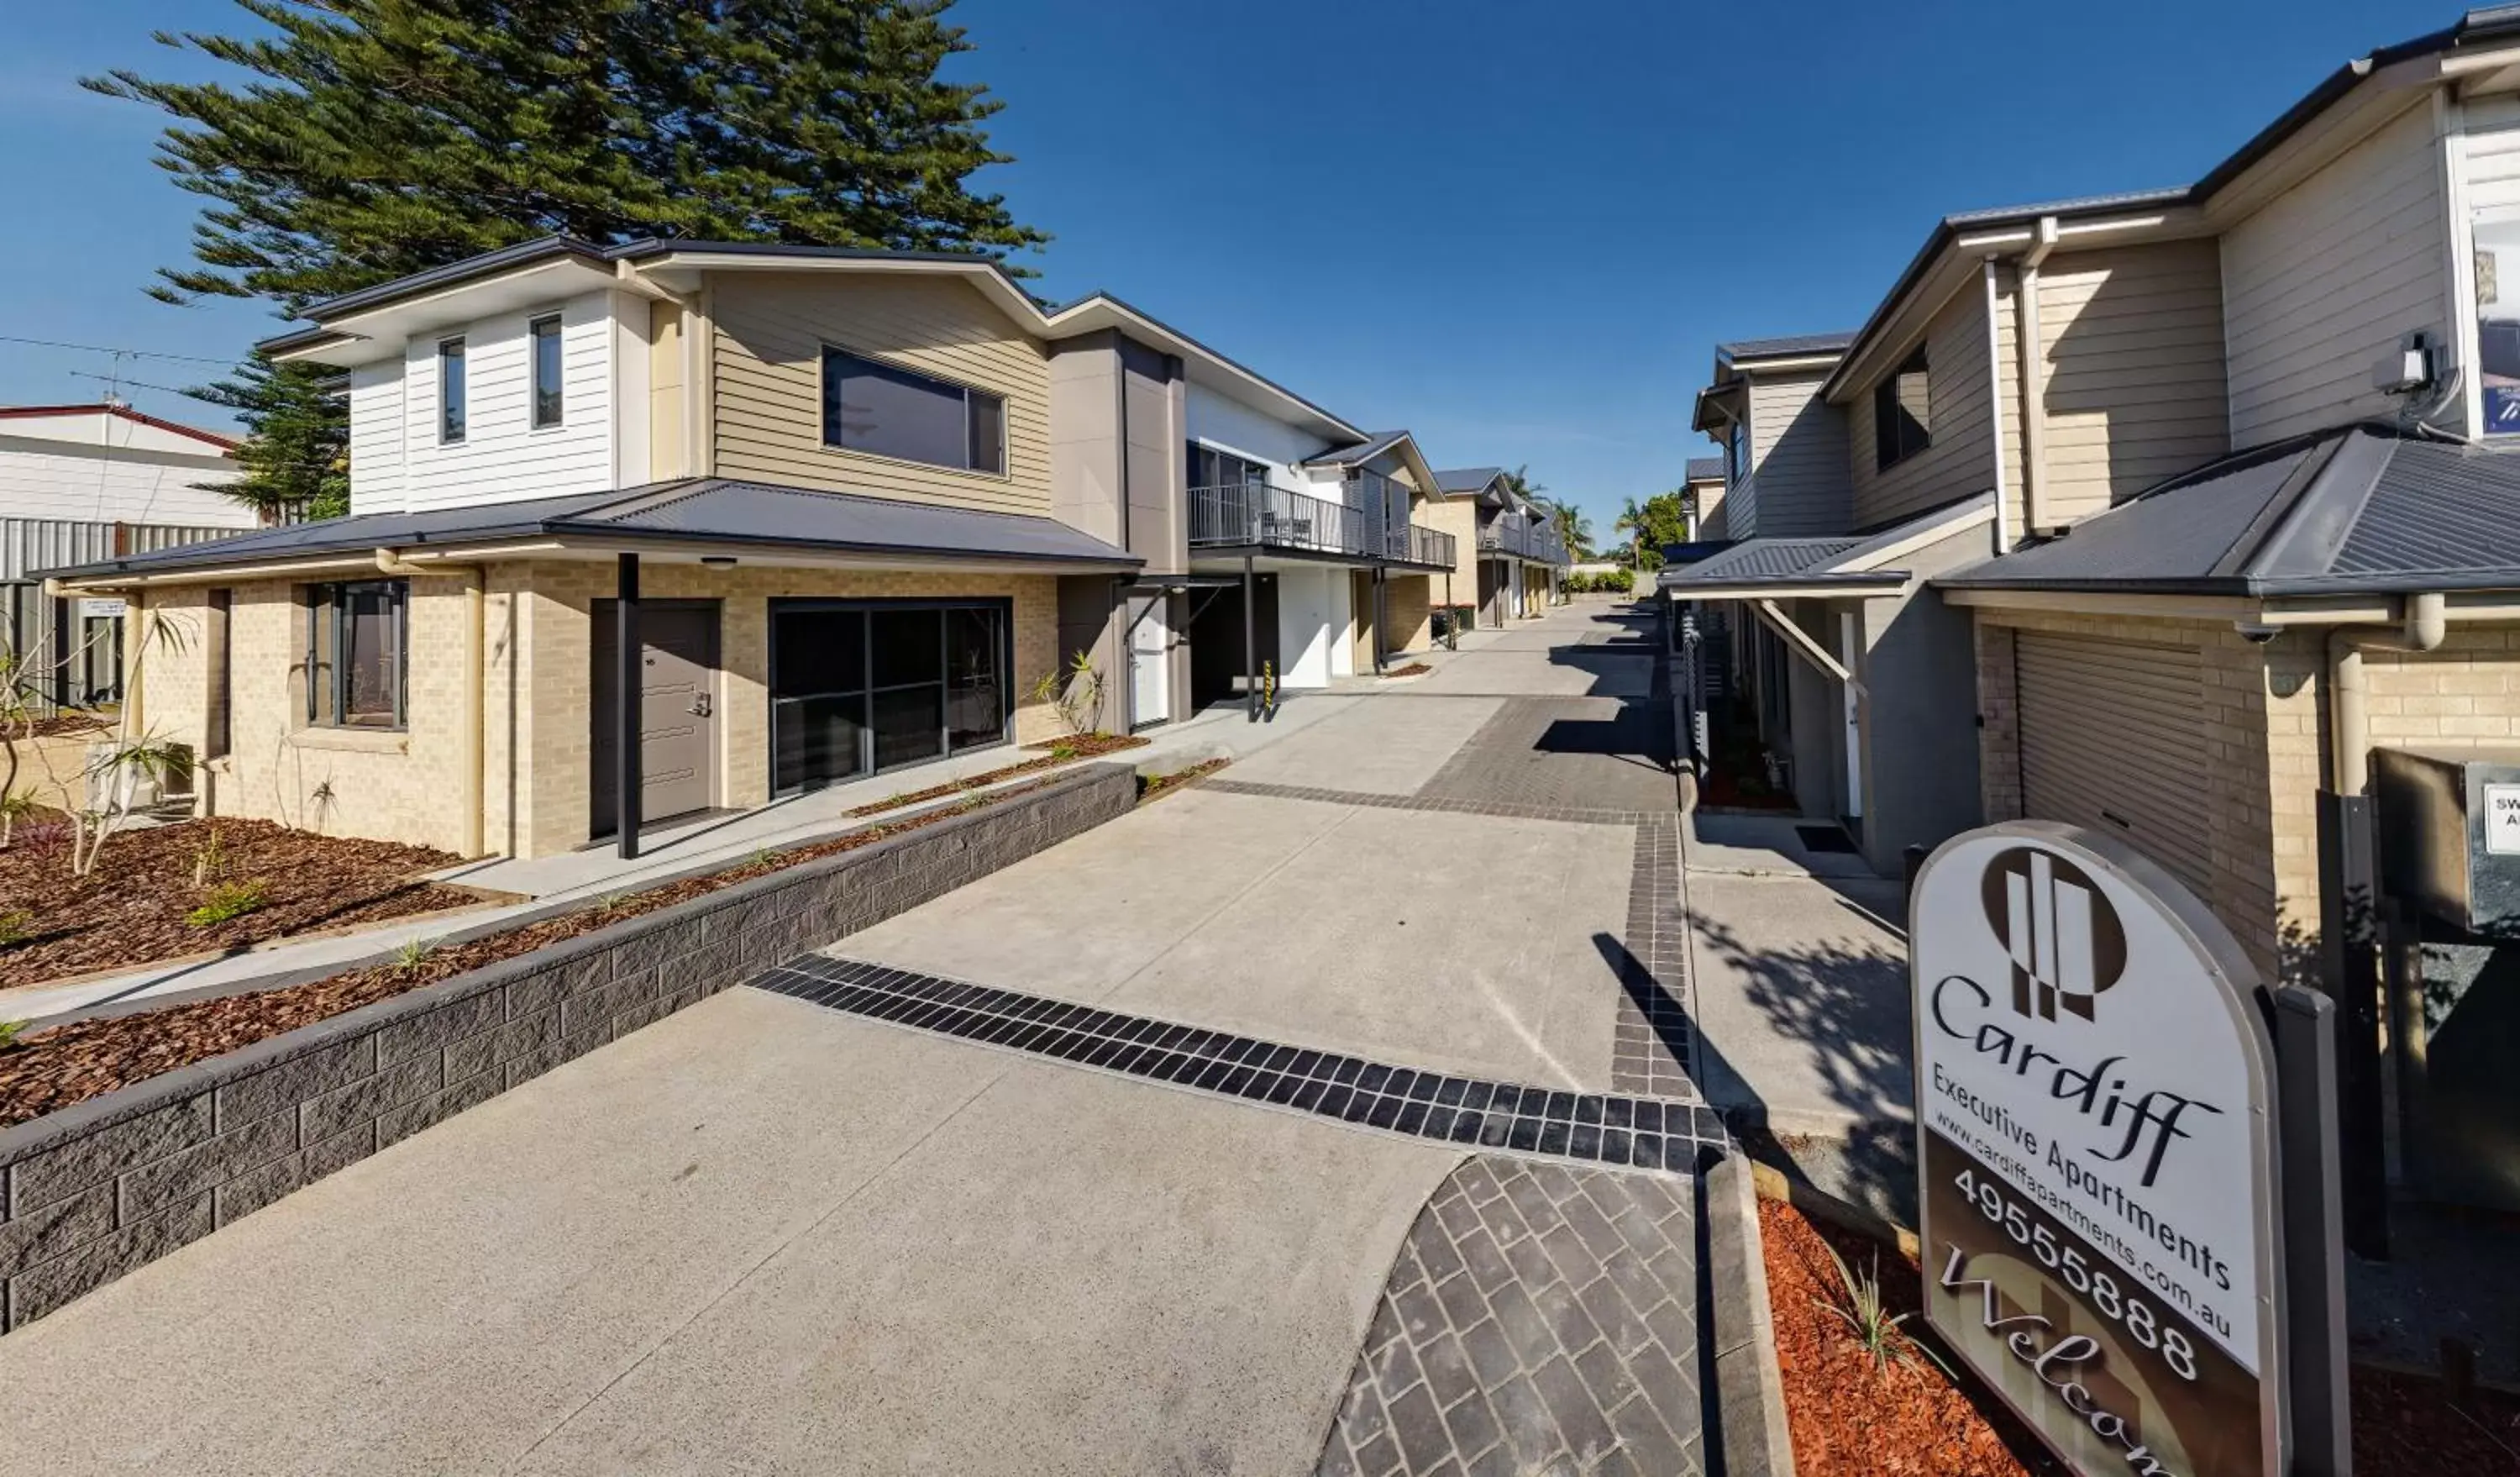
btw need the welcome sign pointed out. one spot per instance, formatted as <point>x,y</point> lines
<point>2093,1123</point>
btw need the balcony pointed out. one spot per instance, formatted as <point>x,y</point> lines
<point>1246,516</point>
<point>1519,537</point>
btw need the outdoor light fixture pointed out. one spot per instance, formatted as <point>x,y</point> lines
<point>718,560</point>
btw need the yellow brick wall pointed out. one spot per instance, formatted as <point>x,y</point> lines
<point>1460,518</point>
<point>1407,602</point>
<point>538,684</point>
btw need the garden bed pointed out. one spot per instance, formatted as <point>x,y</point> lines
<point>132,909</point>
<point>1157,786</point>
<point>1916,1420</point>
<point>53,1069</point>
<point>1066,750</point>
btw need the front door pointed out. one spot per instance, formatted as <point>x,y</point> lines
<point>677,711</point>
<point>1150,665</point>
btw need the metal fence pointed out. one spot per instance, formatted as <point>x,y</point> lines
<point>28,545</point>
<point>1246,513</point>
<point>1524,538</point>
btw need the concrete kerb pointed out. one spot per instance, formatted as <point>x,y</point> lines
<point>563,904</point>
<point>1753,1437</point>
<point>107,1184</point>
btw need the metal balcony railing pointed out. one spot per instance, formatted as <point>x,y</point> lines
<point>1524,538</point>
<point>1246,514</point>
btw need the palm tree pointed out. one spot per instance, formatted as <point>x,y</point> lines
<point>1631,523</point>
<point>1574,529</point>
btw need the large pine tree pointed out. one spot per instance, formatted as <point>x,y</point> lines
<point>376,138</point>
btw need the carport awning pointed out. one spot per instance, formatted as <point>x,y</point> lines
<point>756,520</point>
<point>1851,567</point>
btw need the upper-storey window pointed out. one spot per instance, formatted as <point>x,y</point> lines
<point>1903,423</point>
<point>1736,455</point>
<point>2497,318</point>
<point>893,411</point>
<point>450,391</point>
<point>543,333</point>
<point>1210,468</point>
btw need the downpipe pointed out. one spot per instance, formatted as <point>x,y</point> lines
<point>2425,625</point>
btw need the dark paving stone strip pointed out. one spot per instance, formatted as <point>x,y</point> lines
<point>1651,1049</point>
<point>1626,1131</point>
<point>1581,814</point>
<point>1540,1318</point>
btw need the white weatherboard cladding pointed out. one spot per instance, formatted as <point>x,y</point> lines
<point>375,437</point>
<point>42,480</point>
<point>2141,1130</point>
<point>1228,424</point>
<point>503,458</point>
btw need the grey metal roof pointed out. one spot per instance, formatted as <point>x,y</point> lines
<point>1467,478</point>
<point>1791,346</point>
<point>1705,470</point>
<point>2357,509</point>
<point>1372,446</point>
<point>691,509</point>
<point>1766,559</point>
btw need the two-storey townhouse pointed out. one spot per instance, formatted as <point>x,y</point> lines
<point>1333,561</point>
<point>88,481</point>
<point>1512,558</point>
<point>1703,482</point>
<point>666,527</point>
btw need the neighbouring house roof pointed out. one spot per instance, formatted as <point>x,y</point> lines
<point>1374,444</point>
<point>2357,509</point>
<point>712,510</point>
<point>1705,470</point>
<point>1856,563</point>
<point>119,412</point>
<point>586,265</point>
<point>2490,25</point>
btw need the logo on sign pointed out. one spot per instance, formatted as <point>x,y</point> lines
<point>2065,940</point>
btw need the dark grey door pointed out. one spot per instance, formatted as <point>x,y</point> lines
<point>677,712</point>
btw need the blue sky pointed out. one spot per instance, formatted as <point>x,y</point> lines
<point>1515,228</point>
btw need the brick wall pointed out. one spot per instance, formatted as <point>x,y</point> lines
<point>537,692</point>
<point>1406,601</point>
<point>1998,733</point>
<point>109,1185</point>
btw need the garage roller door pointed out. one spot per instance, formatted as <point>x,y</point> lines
<point>2113,738</point>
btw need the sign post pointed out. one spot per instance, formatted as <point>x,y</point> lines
<point>2095,1117</point>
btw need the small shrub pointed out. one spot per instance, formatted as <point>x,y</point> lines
<point>1063,752</point>
<point>1876,1329</point>
<point>15,926</point>
<point>611,900</point>
<point>413,951</point>
<point>209,860</point>
<point>228,900</point>
<point>10,1031</point>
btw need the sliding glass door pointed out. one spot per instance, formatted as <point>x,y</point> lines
<point>861,686</point>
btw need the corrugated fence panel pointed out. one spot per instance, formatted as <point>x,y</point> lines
<point>28,545</point>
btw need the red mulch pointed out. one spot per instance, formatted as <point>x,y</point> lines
<point>2403,1427</point>
<point>130,910</point>
<point>1081,746</point>
<point>86,1058</point>
<point>1849,1422</point>
<point>63,723</point>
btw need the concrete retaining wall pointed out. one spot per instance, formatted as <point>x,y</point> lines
<point>107,1184</point>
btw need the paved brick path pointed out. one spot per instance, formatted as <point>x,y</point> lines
<point>1540,1318</point>
<point>1603,752</point>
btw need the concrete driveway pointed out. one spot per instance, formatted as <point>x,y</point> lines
<point>759,1237</point>
<point>1471,943</point>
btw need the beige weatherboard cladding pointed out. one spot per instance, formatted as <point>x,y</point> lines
<point>1798,453</point>
<point>1960,461</point>
<point>770,330</point>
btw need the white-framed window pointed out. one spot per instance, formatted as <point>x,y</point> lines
<point>450,391</point>
<point>887,411</point>
<point>2495,231</point>
<point>543,341</point>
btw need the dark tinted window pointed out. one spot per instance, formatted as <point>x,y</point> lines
<point>909,647</point>
<point>1902,414</point>
<point>819,651</point>
<point>892,412</point>
<point>545,334</point>
<point>354,657</point>
<point>450,391</point>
